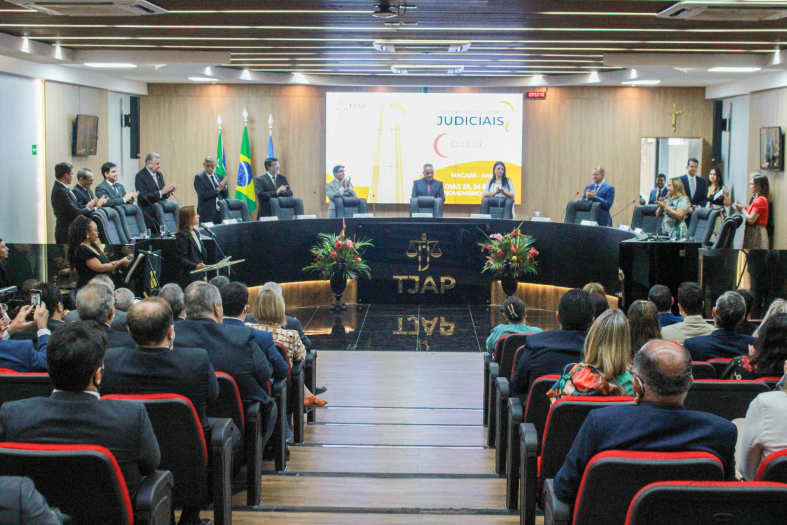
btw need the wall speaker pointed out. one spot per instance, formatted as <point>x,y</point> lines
<point>719,125</point>
<point>132,121</point>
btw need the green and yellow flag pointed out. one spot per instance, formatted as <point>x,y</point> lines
<point>244,190</point>
<point>221,160</point>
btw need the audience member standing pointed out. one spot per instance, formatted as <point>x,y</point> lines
<point>515,314</point>
<point>690,303</point>
<point>210,190</point>
<point>723,341</point>
<point>602,192</point>
<point>65,204</point>
<point>149,182</point>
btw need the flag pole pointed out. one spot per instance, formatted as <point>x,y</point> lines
<point>219,122</point>
<point>270,125</point>
<point>245,116</point>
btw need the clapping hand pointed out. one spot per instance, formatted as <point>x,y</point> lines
<point>590,195</point>
<point>102,201</point>
<point>130,196</point>
<point>662,202</point>
<point>223,184</point>
<point>281,189</point>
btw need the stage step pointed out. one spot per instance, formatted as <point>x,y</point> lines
<point>400,416</point>
<point>434,436</point>
<point>344,518</point>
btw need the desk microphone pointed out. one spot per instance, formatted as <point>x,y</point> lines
<point>624,209</point>
<point>566,208</point>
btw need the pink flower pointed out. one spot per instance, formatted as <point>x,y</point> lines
<point>500,253</point>
<point>497,237</point>
<point>349,244</point>
<point>533,253</point>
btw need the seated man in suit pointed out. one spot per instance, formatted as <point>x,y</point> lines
<point>427,186</point>
<point>270,185</point>
<point>173,294</point>
<point>74,415</point>
<point>728,313</point>
<point>149,182</point>
<point>210,189</point>
<point>124,299</point>
<point>65,203</point>
<point>52,299</point>
<point>660,191</point>
<point>658,423</point>
<point>601,192</point>
<point>690,303</point>
<point>549,352</point>
<point>23,356</point>
<point>340,186</point>
<point>96,302</point>
<point>22,504</point>
<point>111,190</point>
<point>661,296</point>
<point>82,189</point>
<point>118,320</point>
<point>696,187</point>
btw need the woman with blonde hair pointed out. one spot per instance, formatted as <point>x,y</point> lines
<point>269,312</point>
<point>778,306</point>
<point>674,208</point>
<point>604,371</point>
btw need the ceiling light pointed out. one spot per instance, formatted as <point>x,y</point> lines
<point>58,52</point>
<point>593,77</point>
<point>203,79</point>
<point>25,45</point>
<point>641,82</point>
<point>208,72</point>
<point>109,64</point>
<point>734,69</point>
<point>383,12</point>
<point>246,75</point>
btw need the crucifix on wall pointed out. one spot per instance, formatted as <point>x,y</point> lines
<point>674,114</point>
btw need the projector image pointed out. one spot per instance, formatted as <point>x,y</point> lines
<point>91,8</point>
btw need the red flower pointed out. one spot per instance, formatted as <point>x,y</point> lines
<point>500,253</point>
<point>533,253</point>
<point>486,248</point>
<point>339,244</point>
<point>333,255</point>
<point>349,244</point>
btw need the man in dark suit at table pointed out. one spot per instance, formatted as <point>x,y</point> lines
<point>209,191</point>
<point>696,187</point>
<point>64,202</point>
<point>149,182</point>
<point>427,186</point>
<point>660,191</point>
<point>82,189</point>
<point>111,189</point>
<point>271,185</point>
<point>603,193</point>
<point>728,313</point>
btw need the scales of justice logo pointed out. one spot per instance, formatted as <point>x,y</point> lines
<point>424,251</point>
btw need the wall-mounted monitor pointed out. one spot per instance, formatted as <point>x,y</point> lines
<point>771,149</point>
<point>84,138</point>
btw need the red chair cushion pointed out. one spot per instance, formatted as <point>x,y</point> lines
<point>767,461</point>
<point>237,395</point>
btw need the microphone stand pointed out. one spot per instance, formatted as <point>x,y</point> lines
<point>624,209</point>
<point>223,256</point>
<point>562,215</point>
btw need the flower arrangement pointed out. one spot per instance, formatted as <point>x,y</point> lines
<point>337,255</point>
<point>510,255</point>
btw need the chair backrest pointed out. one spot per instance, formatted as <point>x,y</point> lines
<point>612,479</point>
<point>562,426</point>
<point>132,219</point>
<point>15,385</point>
<point>183,450</point>
<point>349,206</point>
<point>578,211</point>
<point>771,381</point>
<point>702,225</point>
<point>727,399</point>
<point>286,207</point>
<point>727,232</point>
<point>110,229</point>
<point>507,353</point>
<point>703,370</point>
<point>83,481</point>
<point>229,404</point>
<point>773,468</point>
<point>700,502</point>
<point>498,207</point>
<point>645,219</point>
<point>538,404</point>
<point>426,205</point>
<point>167,214</point>
<point>234,209</point>
<point>719,364</point>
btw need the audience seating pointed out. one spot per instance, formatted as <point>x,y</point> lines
<point>502,394</point>
<point>612,479</point>
<point>563,423</point>
<point>280,393</point>
<point>727,232</point>
<point>703,370</point>
<point>727,399</point>
<point>309,380</point>
<point>349,206</point>
<point>702,225</point>
<point>697,503</point>
<point>578,211</point>
<point>645,219</point>
<point>501,366</point>
<point>234,209</point>
<point>771,381</point>
<point>720,364</point>
<point>17,385</point>
<point>110,229</point>
<point>202,475</point>
<point>498,207</point>
<point>85,482</point>
<point>166,213</point>
<point>132,219</point>
<point>246,417</point>
<point>773,468</point>
<point>426,205</point>
<point>286,207</point>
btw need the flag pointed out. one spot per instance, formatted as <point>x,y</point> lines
<point>244,189</point>
<point>270,147</point>
<point>221,160</point>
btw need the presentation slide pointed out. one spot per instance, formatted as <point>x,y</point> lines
<point>384,139</point>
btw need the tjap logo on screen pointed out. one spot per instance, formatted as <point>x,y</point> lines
<point>343,106</point>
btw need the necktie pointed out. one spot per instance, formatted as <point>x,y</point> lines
<point>692,185</point>
<point>213,181</point>
<point>595,190</point>
<point>428,188</point>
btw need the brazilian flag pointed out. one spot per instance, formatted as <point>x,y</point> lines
<point>244,190</point>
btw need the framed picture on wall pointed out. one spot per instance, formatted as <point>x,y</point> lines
<point>771,149</point>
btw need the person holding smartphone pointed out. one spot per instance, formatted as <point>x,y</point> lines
<point>85,256</point>
<point>22,356</point>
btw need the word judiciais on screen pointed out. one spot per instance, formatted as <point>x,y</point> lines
<point>470,121</point>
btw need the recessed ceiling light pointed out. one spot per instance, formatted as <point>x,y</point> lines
<point>246,75</point>
<point>734,69</point>
<point>109,64</point>
<point>203,79</point>
<point>641,82</point>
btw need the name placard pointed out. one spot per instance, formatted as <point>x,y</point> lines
<point>422,215</point>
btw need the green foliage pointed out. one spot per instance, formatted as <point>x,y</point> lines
<point>510,255</point>
<point>337,255</point>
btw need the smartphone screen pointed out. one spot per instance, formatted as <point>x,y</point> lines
<point>35,297</point>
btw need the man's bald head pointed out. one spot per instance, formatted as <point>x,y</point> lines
<point>664,368</point>
<point>149,321</point>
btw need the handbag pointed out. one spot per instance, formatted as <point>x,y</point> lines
<point>581,379</point>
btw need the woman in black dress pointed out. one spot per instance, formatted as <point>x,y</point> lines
<point>191,252</point>
<point>84,255</point>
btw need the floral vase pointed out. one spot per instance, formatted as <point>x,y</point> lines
<point>338,285</point>
<point>509,284</point>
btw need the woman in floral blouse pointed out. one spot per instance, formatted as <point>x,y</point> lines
<point>767,356</point>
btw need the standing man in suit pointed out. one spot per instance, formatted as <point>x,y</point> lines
<point>149,182</point>
<point>340,186</point>
<point>696,187</point>
<point>210,191</point>
<point>271,185</point>
<point>602,193</point>
<point>111,190</point>
<point>65,204</point>
<point>660,191</point>
<point>82,189</point>
<point>427,186</point>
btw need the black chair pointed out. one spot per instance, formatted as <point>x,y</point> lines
<point>110,229</point>
<point>702,225</point>
<point>15,385</point>
<point>280,393</point>
<point>695,503</point>
<point>720,364</point>
<point>166,213</point>
<point>132,219</point>
<point>727,399</point>
<point>349,206</point>
<point>703,370</point>
<point>309,380</point>
<point>613,478</point>
<point>426,205</point>
<point>202,474</point>
<point>578,211</point>
<point>502,394</point>
<point>85,482</point>
<point>501,366</point>
<point>234,209</point>
<point>498,207</point>
<point>727,232</point>
<point>773,468</point>
<point>286,207</point>
<point>645,219</point>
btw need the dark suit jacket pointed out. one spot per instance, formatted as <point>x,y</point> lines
<point>83,196</point>
<point>116,196</point>
<point>700,197</point>
<point>649,427</point>
<point>746,327</point>
<point>117,338</point>
<point>208,196</point>
<point>653,196</point>
<point>119,321</point>
<point>149,191</point>
<point>546,353</point>
<point>189,256</point>
<point>294,324</point>
<point>232,350</point>
<point>606,197</point>
<point>265,341</point>
<point>22,504</point>
<point>668,319</point>
<point>265,191</point>
<point>80,418</point>
<point>420,189</point>
<point>183,371</point>
<point>66,208</point>
<point>23,356</point>
<point>719,343</point>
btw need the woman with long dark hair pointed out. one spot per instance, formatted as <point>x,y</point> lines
<point>756,236</point>
<point>767,356</point>
<point>84,254</point>
<point>643,324</point>
<point>499,185</point>
<point>718,193</point>
<point>191,251</point>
